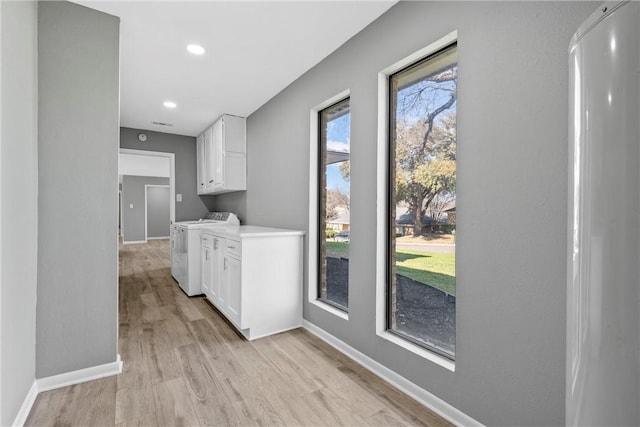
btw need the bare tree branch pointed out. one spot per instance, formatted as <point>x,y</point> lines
<point>432,116</point>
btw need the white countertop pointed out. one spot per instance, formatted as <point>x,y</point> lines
<point>248,231</point>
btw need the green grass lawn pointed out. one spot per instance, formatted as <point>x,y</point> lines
<point>338,249</point>
<point>436,269</point>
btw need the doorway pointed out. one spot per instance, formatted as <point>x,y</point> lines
<point>155,166</point>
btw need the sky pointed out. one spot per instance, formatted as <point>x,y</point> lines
<point>338,139</point>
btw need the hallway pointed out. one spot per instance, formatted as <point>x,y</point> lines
<point>184,365</point>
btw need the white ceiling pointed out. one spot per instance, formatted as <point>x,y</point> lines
<point>253,51</point>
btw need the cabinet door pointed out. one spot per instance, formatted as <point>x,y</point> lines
<point>174,251</point>
<point>206,262</point>
<point>217,264</point>
<point>201,169</point>
<point>218,154</point>
<point>233,283</point>
<point>208,164</point>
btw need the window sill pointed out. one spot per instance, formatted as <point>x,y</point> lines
<point>329,308</point>
<point>422,352</point>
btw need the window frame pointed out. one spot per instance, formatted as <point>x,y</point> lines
<point>321,170</point>
<point>384,193</point>
<point>313,243</point>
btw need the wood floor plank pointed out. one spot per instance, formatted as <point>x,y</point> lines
<point>252,408</point>
<point>135,406</point>
<point>211,404</point>
<point>159,353</point>
<point>188,309</point>
<point>332,409</point>
<point>300,379</point>
<point>100,397</point>
<point>176,326</point>
<point>150,309</point>
<point>50,400</point>
<point>185,365</point>
<point>173,403</point>
<point>135,370</point>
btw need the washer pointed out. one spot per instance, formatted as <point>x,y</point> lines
<point>185,248</point>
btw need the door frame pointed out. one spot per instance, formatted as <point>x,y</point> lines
<point>172,177</point>
<point>146,213</point>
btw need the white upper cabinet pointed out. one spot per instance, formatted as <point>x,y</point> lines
<point>222,156</point>
<point>200,170</point>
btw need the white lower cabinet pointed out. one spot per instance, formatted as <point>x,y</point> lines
<point>255,278</point>
<point>218,295</point>
<point>233,281</point>
<point>206,263</point>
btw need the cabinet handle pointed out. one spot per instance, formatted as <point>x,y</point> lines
<point>210,181</point>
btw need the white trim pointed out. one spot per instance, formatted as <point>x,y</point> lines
<point>2,240</point>
<point>328,307</point>
<point>312,241</point>
<point>146,225</point>
<point>421,395</point>
<point>64,380</point>
<point>25,409</point>
<point>133,242</point>
<point>158,238</point>
<point>80,376</point>
<point>420,351</point>
<point>381,221</point>
<point>172,175</point>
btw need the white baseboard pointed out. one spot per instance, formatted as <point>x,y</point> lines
<point>133,242</point>
<point>80,376</point>
<point>63,380</point>
<point>429,400</point>
<point>158,238</point>
<point>25,409</point>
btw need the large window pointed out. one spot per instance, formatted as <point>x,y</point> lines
<point>421,290</point>
<point>333,203</point>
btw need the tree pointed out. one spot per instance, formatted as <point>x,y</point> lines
<point>425,138</point>
<point>345,169</point>
<point>437,207</point>
<point>425,163</point>
<point>336,200</point>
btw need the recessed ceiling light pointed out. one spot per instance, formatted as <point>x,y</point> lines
<point>196,49</point>
<point>169,104</point>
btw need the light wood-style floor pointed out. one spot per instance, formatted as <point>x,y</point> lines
<point>184,365</point>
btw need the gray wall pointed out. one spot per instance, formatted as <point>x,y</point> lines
<point>158,221</point>
<point>184,147</point>
<point>235,202</point>
<point>512,165</point>
<point>133,193</point>
<point>78,121</point>
<point>18,191</point>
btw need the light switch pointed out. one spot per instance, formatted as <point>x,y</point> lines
<point>178,197</point>
<point>131,206</point>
